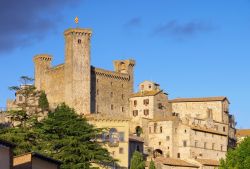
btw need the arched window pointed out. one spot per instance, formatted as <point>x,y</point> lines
<point>138,131</point>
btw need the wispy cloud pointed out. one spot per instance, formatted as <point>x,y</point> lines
<point>134,22</point>
<point>178,29</point>
<point>25,21</point>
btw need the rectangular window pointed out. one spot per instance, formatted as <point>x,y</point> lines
<point>121,150</point>
<point>135,102</point>
<point>160,106</point>
<point>20,98</point>
<point>224,128</point>
<point>146,102</point>
<point>196,143</point>
<point>213,145</point>
<point>135,113</point>
<point>97,92</point>
<point>112,107</point>
<point>167,138</point>
<point>155,127</point>
<point>184,143</point>
<point>121,136</point>
<point>146,112</point>
<point>178,155</point>
<point>221,147</point>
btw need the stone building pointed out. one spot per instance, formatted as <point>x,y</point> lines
<point>86,88</point>
<point>24,161</point>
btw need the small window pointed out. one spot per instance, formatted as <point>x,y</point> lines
<point>122,85</point>
<point>167,138</point>
<point>79,41</point>
<point>146,102</point>
<point>146,112</point>
<point>149,86</point>
<point>221,147</point>
<point>178,155</point>
<point>224,128</point>
<point>160,106</point>
<point>155,127</point>
<point>97,92</point>
<point>135,102</point>
<point>97,80</point>
<point>111,94</point>
<point>112,106</point>
<point>121,136</point>
<point>135,113</point>
<point>111,83</point>
<point>213,145</point>
<point>185,131</point>
<point>159,143</point>
<point>196,143</point>
<point>121,150</point>
<point>122,96</point>
<point>20,98</point>
<point>160,129</point>
<point>205,145</point>
<point>184,143</point>
<point>122,109</point>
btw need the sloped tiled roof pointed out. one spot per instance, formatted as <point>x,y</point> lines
<point>146,93</point>
<point>198,128</point>
<point>243,132</point>
<point>175,162</point>
<point>200,99</point>
<point>208,162</point>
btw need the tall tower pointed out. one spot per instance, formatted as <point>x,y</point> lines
<point>42,64</point>
<point>77,69</point>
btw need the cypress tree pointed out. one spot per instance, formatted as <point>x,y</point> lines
<point>137,161</point>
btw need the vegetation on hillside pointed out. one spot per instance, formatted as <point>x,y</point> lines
<point>238,158</point>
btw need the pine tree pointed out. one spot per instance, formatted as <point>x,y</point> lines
<point>152,165</point>
<point>64,136</point>
<point>43,101</point>
<point>137,161</point>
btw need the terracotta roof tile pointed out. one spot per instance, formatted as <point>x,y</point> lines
<point>242,132</point>
<point>201,99</point>
<point>175,162</point>
<point>166,118</point>
<point>207,130</point>
<point>208,162</point>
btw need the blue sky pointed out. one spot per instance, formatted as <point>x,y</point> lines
<point>192,48</point>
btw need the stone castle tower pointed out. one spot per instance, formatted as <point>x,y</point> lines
<point>77,69</point>
<point>85,88</point>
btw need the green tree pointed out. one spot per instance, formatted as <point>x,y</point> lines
<point>65,136</point>
<point>137,161</point>
<point>238,158</point>
<point>25,89</point>
<point>43,101</point>
<point>152,165</point>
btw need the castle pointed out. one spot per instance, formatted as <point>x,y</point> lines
<point>85,88</point>
<point>179,133</point>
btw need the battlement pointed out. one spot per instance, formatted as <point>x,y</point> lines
<point>42,57</point>
<point>79,31</point>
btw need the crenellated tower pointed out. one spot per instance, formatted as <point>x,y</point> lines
<point>126,67</point>
<point>77,75</point>
<point>42,64</point>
